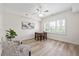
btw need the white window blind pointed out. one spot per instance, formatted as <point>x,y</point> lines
<point>55,26</point>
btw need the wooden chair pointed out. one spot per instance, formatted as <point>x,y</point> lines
<point>35,36</point>
<point>40,36</point>
<point>45,36</point>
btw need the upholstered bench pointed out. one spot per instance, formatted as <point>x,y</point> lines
<point>11,49</point>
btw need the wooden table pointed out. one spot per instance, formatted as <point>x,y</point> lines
<point>40,36</point>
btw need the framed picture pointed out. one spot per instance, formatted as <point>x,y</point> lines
<point>27,25</point>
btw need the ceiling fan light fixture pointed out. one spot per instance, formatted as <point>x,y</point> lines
<point>41,15</point>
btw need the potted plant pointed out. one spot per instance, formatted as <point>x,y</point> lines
<point>10,34</point>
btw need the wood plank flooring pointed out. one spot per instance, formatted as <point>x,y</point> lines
<point>51,47</point>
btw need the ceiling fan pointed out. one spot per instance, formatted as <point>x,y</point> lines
<point>39,11</point>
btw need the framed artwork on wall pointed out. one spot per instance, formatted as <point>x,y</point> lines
<point>27,25</point>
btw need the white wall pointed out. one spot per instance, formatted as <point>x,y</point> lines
<point>72,27</point>
<point>0,27</point>
<point>13,21</point>
<point>0,31</point>
<point>0,24</point>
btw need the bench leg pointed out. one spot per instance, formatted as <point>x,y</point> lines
<point>29,53</point>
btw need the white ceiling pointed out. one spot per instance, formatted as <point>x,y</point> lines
<point>29,8</point>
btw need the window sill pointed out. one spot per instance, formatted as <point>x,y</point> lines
<point>56,33</point>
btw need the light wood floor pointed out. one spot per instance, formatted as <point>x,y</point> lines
<point>52,48</point>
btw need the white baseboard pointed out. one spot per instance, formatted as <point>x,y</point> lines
<point>64,40</point>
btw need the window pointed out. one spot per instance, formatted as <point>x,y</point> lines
<point>55,26</point>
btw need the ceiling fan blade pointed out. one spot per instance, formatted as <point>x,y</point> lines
<point>46,11</point>
<point>37,10</point>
